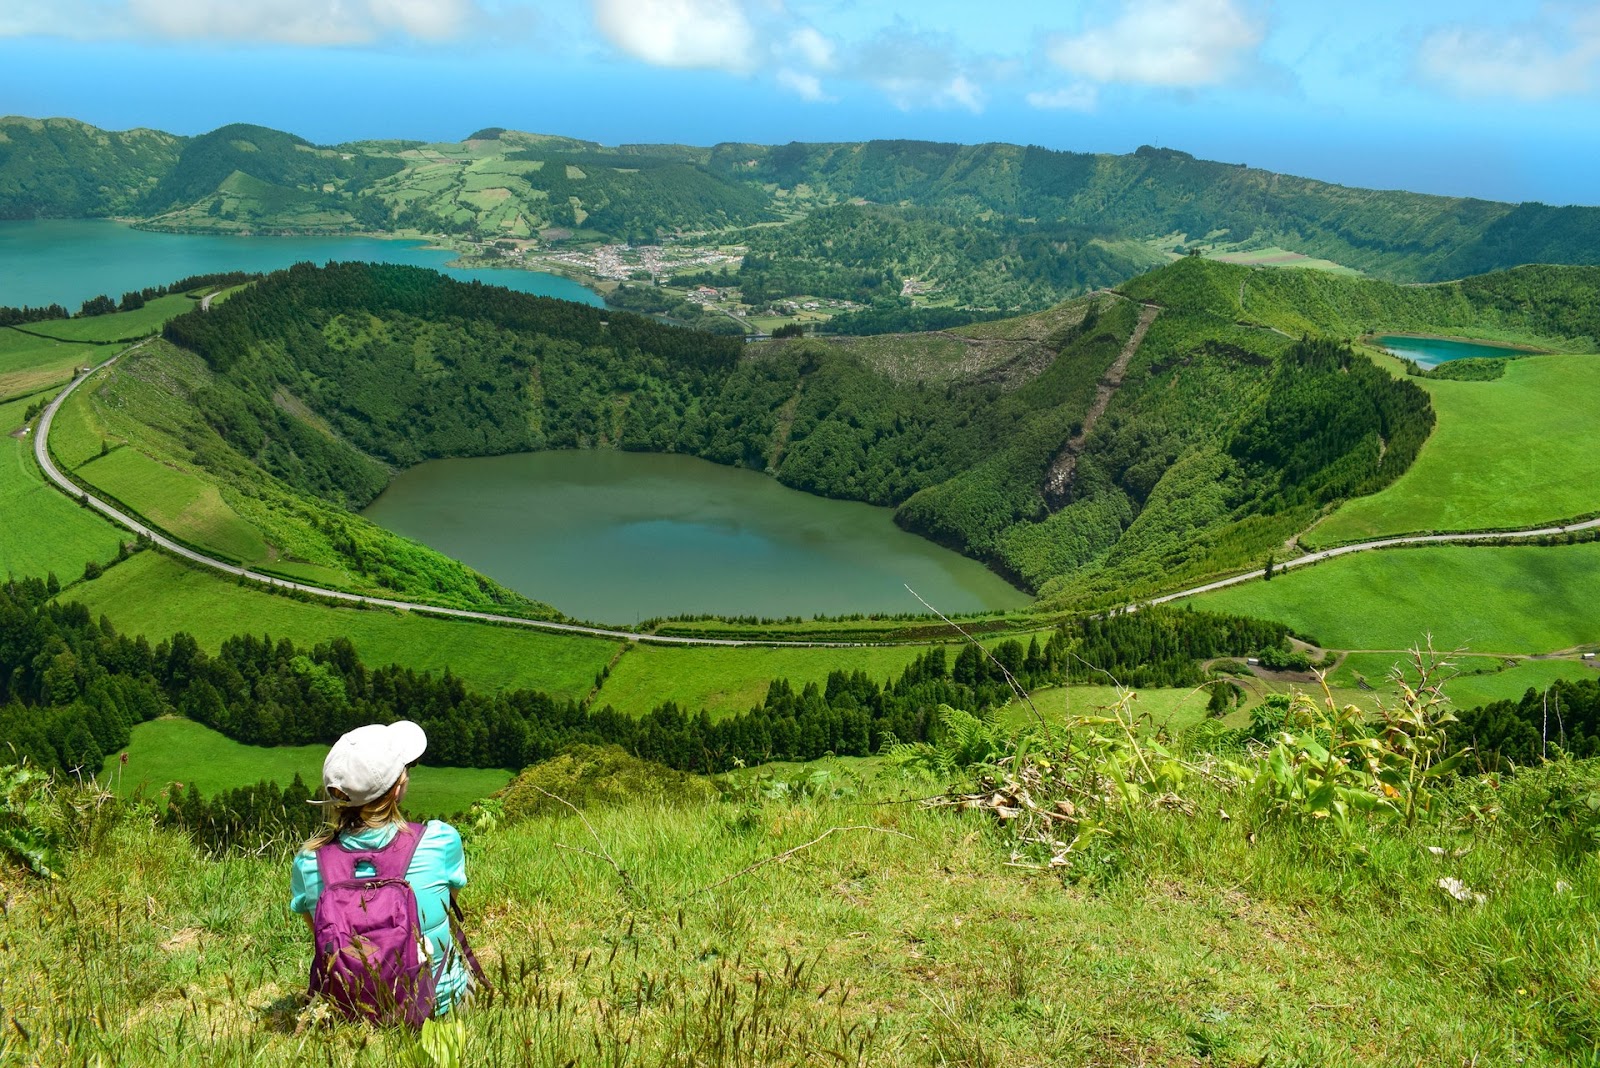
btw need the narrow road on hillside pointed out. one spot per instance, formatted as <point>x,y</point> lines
<point>47,465</point>
<point>41,451</point>
<point>1380,543</point>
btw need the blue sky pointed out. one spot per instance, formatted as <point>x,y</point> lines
<point>1498,100</point>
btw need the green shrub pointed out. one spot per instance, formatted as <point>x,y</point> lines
<point>588,776</point>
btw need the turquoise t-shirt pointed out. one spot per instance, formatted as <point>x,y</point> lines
<point>437,868</point>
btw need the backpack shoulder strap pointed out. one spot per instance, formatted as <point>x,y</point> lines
<point>459,939</point>
<point>393,860</point>
<point>336,864</point>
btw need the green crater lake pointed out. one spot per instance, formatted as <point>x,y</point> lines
<point>67,261</point>
<point>619,537</point>
<point>1432,351</point>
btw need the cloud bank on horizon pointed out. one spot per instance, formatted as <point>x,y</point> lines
<point>936,54</point>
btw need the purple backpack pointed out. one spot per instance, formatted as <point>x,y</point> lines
<point>368,957</point>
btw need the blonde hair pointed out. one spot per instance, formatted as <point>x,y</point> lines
<point>348,819</point>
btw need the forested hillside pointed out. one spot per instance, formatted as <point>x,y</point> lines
<point>1154,192</point>
<point>1126,443</point>
<point>61,168</point>
<point>1559,305</point>
<point>987,227</point>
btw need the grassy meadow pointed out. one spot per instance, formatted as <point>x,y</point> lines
<point>157,596</point>
<point>1516,599</point>
<point>43,530</point>
<point>30,365</point>
<point>1478,681</point>
<point>728,681</point>
<point>118,326</point>
<point>894,935</point>
<point>1514,452</point>
<point>188,508</point>
<point>169,750</point>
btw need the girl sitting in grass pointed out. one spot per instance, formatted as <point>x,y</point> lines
<point>377,955</point>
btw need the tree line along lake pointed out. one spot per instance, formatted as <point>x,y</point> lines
<point>607,536</point>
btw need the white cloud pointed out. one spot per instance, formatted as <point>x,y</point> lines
<point>714,34</point>
<point>961,91</point>
<point>811,46</point>
<point>1079,97</point>
<point>1534,61</point>
<point>915,69</point>
<point>1175,44</point>
<point>804,85</point>
<point>297,22</point>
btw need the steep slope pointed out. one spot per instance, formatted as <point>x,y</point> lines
<point>1150,192</point>
<point>1186,457</point>
<point>62,168</point>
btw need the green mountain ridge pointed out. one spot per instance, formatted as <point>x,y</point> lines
<point>1062,222</point>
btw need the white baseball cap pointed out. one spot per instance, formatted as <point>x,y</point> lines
<point>364,763</point>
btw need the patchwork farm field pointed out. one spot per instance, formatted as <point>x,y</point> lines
<point>1486,599</point>
<point>157,596</point>
<point>170,749</point>
<point>1514,452</point>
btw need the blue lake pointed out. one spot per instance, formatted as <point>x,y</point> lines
<point>67,261</point>
<point>1432,351</point>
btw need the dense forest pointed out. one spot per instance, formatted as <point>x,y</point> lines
<point>865,252</point>
<point>72,688</point>
<point>1507,734</point>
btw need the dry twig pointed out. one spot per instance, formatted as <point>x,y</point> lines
<point>604,854</point>
<point>1016,687</point>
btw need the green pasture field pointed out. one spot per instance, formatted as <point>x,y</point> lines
<point>29,365</point>
<point>1477,679</point>
<point>1170,708</point>
<point>728,681</point>
<point>103,329</point>
<point>1377,668</point>
<point>78,431</point>
<point>171,749</point>
<point>1514,599</point>
<point>1272,256</point>
<point>189,508</point>
<point>155,595</point>
<point>43,530</point>
<point>1515,452</point>
<point>1470,691</point>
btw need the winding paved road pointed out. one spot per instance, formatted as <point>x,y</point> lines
<point>41,450</point>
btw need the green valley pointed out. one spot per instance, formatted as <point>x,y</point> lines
<point>830,556</point>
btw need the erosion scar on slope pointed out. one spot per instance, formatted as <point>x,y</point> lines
<point>1058,481</point>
